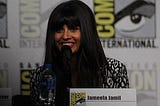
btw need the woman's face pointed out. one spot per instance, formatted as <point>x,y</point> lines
<point>70,37</point>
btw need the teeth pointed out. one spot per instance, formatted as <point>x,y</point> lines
<point>69,44</point>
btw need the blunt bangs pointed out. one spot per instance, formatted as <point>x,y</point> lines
<point>71,22</point>
<point>66,15</point>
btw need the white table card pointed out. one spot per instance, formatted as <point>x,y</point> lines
<point>102,97</point>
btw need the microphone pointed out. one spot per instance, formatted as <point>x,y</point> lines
<point>66,52</point>
<point>66,59</point>
<point>66,56</point>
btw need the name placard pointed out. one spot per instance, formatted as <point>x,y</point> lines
<point>102,97</point>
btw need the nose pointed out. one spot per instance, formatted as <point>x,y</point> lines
<point>66,34</point>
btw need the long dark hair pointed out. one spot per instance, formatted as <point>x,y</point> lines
<point>75,13</point>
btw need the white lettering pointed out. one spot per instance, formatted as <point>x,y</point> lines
<point>30,18</point>
<point>143,80</point>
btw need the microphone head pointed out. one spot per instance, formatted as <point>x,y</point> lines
<point>66,52</point>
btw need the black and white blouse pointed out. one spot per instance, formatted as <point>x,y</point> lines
<point>114,76</point>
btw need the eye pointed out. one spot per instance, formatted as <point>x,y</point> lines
<point>134,16</point>
<point>74,29</point>
<point>131,23</point>
<point>59,31</point>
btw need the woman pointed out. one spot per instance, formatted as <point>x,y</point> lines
<point>72,23</point>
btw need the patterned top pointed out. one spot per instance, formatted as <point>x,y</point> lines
<point>114,75</point>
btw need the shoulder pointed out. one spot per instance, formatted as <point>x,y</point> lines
<point>113,61</point>
<point>114,74</point>
<point>114,64</point>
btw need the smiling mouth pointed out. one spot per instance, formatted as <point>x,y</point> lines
<point>70,44</point>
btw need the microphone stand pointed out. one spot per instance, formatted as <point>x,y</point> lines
<point>66,54</point>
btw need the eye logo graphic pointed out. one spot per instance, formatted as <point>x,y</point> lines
<point>3,19</point>
<point>138,17</point>
<point>78,99</point>
<point>125,19</point>
<point>126,23</point>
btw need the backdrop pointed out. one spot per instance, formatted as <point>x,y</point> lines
<point>129,32</point>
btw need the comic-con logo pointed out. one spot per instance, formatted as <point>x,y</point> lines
<point>3,74</point>
<point>3,19</point>
<point>104,15</point>
<point>78,99</point>
<point>126,24</point>
<point>30,24</point>
<point>3,25</point>
<point>25,70</point>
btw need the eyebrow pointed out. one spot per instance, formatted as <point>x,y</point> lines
<point>137,7</point>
